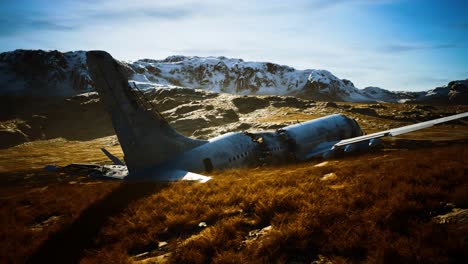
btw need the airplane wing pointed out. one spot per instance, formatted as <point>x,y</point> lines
<point>321,149</point>
<point>395,131</point>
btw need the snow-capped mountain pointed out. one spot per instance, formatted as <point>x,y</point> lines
<point>44,73</point>
<point>236,76</point>
<point>52,73</point>
<point>455,92</point>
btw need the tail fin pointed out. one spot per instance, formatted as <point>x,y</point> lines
<point>145,136</point>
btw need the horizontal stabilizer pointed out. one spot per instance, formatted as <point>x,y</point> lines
<point>190,176</point>
<point>175,175</point>
<point>113,158</point>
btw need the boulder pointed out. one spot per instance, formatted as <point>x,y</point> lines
<point>290,101</point>
<point>247,104</point>
<point>256,234</point>
<point>363,111</point>
<point>11,137</point>
<point>183,109</point>
<point>456,216</point>
<point>189,125</point>
<point>166,104</point>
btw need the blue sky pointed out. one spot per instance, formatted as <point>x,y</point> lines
<point>394,44</point>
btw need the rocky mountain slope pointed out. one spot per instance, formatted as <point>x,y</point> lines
<point>52,73</point>
<point>193,112</point>
<point>235,76</point>
<point>455,92</point>
<point>44,73</point>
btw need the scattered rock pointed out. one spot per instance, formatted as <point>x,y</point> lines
<point>363,111</point>
<point>166,104</point>
<point>424,107</point>
<point>247,104</point>
<point>329,104</point>
<point>290,101</point>
<point>243,126</point>
<point>183,109</point>
<point>329,176</point>
<point>229,116</point>
<point>149,259</point>
<point>40,225</point>
<point>201,133</point>
<point>456,216</point>
<point>11,137</point>
<point>377,106</point>
<point>321,259</point>
<point>322,164</point>
<point>162,245</point>
<point>189,125</point>
<point>273,126</point>
<point>141,256</point>
<point>345,106</point>
<point>337,186</point>
<point>256,234</point>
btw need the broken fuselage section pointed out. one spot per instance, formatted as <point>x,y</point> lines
<point>240,149</point>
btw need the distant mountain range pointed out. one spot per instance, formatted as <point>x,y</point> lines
<point>53,73</point>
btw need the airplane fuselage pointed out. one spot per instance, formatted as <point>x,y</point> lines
<point>239,149</point>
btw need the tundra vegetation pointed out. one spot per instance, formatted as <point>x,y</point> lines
<point>379,206</point>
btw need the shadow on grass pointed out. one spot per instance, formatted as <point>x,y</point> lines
<point>68,244</point>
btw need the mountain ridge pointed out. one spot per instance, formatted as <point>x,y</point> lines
<point>53,73</point>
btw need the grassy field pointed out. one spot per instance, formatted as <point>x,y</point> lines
<point>375,207</point>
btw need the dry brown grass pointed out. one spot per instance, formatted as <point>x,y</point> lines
<point>23,208</point>
<point>37,154</point>
<point>380,212</point>
<point>377,209</point>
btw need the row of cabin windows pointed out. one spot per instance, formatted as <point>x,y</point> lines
<point>242,155</point>
<point>276,149</point>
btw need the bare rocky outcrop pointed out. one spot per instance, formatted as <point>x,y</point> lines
<point>363,111</point>
<point>457,216</point>
<point>11,137</point>
<point>247,104</point>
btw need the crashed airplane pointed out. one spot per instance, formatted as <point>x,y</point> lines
<point>154,151</point>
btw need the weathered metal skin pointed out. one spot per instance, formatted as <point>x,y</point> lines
<point>253,149</point>
<point>304,137</point>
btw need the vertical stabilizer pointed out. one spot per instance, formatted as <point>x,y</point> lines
<point>145,136</point>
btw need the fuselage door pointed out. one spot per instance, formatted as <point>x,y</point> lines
<point>208,165</point>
